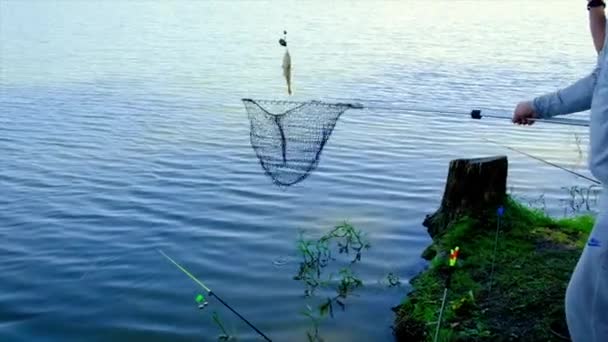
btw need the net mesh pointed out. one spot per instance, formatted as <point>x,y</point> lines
<point>288,136</point>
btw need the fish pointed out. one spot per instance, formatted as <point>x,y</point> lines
<point>287,70</point>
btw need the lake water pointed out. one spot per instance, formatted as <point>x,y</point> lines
<point>122,131</point>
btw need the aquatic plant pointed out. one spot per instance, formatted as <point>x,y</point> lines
<point>316,257</point>
<point>538,203</point>
<point>580,198</point>
<point>315,319</point>
<point>392,280</point>
<point>224,336</point>
<point>578,144</point>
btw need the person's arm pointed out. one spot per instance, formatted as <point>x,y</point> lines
<point>597,26</point>
<point>574,98</point>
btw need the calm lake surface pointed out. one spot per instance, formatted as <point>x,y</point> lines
<point>122,132</point>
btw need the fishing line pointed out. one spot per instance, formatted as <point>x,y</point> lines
<point>499,213</point>
<point>476,114</point>
<point>595,181</point>
<point>211,293</point>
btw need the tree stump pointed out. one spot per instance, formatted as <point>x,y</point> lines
<point>473,187</point>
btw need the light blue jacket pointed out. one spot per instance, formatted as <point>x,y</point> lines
<point>590,92</point>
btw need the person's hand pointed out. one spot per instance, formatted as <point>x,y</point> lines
<point>524,114</point>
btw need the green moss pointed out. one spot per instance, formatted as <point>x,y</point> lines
<point>429,253</point>
<point>583,223</point>
<point>533,263</point>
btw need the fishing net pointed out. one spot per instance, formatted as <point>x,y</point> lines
<point>288,137</point>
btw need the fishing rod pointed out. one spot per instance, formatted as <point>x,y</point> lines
<point>499,213</point>
<point>448,282</point>
<point>211,293</point>
<point>595,181</point>
<point>476,114</point>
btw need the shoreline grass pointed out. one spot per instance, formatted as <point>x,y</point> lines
<point>534,260</point>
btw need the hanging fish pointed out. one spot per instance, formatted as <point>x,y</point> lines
<point>286,62</point>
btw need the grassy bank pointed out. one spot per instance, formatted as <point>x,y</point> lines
<point>534,259</point>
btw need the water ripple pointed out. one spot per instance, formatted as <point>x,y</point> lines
<point>122,134</point>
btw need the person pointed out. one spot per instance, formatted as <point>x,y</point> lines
<point>586,298</point>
